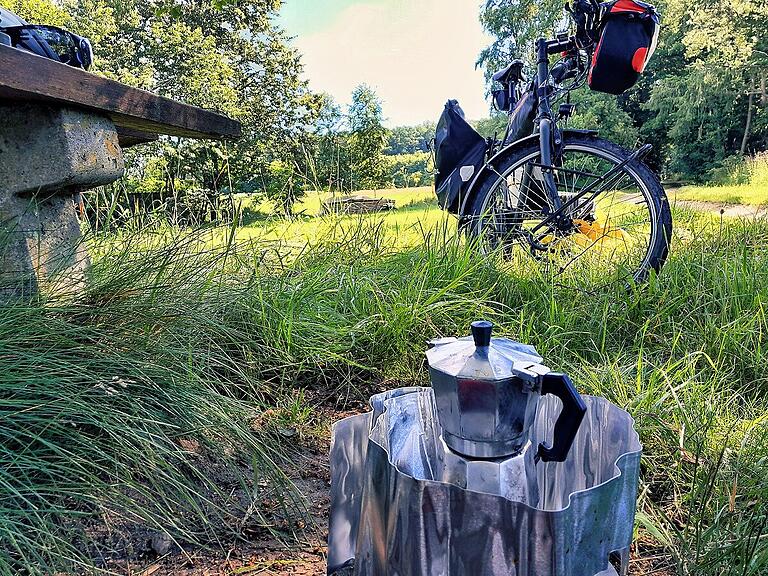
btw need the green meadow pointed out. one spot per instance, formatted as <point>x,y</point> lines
<point>157,400</point>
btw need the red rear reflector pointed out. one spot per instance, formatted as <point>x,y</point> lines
<point>638,60</point>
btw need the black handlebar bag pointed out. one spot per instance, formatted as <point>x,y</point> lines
<point>628,36</point>
<point>459,155</point>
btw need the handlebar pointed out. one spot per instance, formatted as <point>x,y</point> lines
<point>560,45</point>
<point>565,69</point>
<point>585,14</point>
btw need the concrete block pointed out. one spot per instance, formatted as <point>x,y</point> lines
<point>46,150</point>
<point>47,157</point>
<point>41,248</point>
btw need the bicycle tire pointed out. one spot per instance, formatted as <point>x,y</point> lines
<point>518,155</point>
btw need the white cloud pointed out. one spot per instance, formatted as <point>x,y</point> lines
<point>416,54</point>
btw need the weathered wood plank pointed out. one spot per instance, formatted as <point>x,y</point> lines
<point>128,137</point>
<point>27,77</point>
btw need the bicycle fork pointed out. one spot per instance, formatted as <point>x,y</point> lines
<point>549,135</point>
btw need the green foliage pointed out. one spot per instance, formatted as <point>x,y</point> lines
<point>410,139</point>
<point>515,26</point>
<point>226,56</point>
<point>366,140</point>
<point>604,113</point>
<point>493,126</point>
<point>327,152</point>
<point>410,170</point>
<point>693,101</point>
<point>282,188</point>
<point>38,11</point>
<point>757,170</point>
<point>704,103</point>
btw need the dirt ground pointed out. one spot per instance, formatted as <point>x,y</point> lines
<point>263,555</point>
<point>258,553</point>
<point>729,210</point>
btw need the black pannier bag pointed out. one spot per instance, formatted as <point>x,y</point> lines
<point>522,120</point>
<point>628,35</point>
<point>459,155</point>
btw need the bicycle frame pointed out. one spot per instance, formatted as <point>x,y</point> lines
<point>551,140</point>
<point>549,134</point>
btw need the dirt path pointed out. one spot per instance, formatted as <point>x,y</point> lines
<point>730,210</point>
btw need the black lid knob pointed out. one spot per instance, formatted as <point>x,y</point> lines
<point>481,333</point>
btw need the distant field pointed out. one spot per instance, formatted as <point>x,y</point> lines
<point>741,194</point>
<point>416,210</point>
<point>403,197</point>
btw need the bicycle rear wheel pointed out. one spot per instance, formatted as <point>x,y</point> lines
<point>616,223</point>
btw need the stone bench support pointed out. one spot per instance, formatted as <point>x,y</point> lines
<point>48,156</point>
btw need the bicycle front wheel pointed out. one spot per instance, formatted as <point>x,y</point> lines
<point>615,223</point>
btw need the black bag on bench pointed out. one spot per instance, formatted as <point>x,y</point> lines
<point>628,34</point>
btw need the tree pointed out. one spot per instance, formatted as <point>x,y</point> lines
<point>223,55</point>
<point>707,104</point>
<point>515,26</point>
<point>38,11</point>
<point>494,125</point>
<point>408,170</point>
<point>328,165</point>
<point>281,186</point>
<point>367,140</point>
<point>410,139</point>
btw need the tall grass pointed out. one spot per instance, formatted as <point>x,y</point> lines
<point>185,336</point>
<point>757,167</point>
<point>127,408</point>
<point>742,181</point>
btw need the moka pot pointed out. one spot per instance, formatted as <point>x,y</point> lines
<point>487,392</point>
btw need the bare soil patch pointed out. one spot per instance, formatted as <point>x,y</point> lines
<point>729,210</point>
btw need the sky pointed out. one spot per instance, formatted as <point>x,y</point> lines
<point>415,54</point>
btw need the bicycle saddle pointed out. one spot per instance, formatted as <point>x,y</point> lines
<point>512,73</point>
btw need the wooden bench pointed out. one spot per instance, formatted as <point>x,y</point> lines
<point>137,114</point>
<point>62,131</point>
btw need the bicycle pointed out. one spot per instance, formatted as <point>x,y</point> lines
<point>588,208</point>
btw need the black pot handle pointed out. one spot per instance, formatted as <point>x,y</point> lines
<point>568,422</point>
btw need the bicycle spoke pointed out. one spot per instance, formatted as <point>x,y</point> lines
<point>612,223</point>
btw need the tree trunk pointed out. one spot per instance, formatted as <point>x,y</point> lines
<point>748,126</point>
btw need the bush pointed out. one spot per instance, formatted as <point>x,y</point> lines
<point>410,170</point>
<point>736,170</point>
